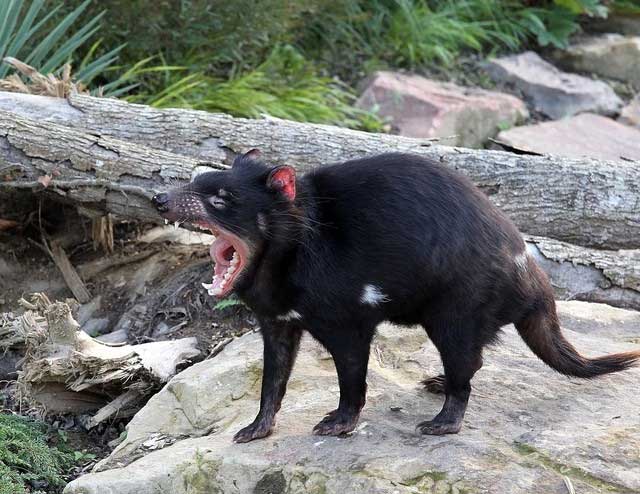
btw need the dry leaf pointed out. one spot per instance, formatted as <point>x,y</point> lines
<point>6,224</point>
<point>45,180</point>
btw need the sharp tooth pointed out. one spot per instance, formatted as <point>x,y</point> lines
<point>166,221</point>
<point>207,287</point>
<point>176,225</point>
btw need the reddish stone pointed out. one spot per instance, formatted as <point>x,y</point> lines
<point>420,107</point>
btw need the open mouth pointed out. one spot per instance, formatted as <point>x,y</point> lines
<point>229,253</point>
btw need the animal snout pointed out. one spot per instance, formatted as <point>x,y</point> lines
<point>161,202</point>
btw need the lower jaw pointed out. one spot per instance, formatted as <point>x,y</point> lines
<point>218,292</point>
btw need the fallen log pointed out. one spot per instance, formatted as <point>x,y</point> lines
<point>591,275</point>
<point>585,202</point>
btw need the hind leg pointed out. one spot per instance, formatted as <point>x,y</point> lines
<point>461,358</point>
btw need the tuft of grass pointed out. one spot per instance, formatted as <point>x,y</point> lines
<point>284,86</point>
<point>631,7</point>
<point>34,33</point>
<point>414,33</point>
<point>26,460</point>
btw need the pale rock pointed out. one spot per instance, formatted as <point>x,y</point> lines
<point>584,135</point>
<point>630,114</point>
<point>527,426</point>
<point>555,93</point>
<point>608,55</point>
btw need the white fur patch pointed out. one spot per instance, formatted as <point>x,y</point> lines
<point>289,316</point>
<point>521,261</point>
<point>372,295</point>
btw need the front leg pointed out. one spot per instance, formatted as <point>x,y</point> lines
<point>280,349</point>
<point>351,358</point>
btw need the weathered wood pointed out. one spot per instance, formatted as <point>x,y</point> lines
<point>69,273</point>
<point>586,202</point>
<point>102,173</point>
<point>580,273</point>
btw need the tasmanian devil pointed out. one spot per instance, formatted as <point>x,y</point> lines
<point>394,237</point>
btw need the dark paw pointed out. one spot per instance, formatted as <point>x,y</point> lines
<point>257,430</point>
<point>437,428</point>
<point>435,384</point>
<point>336,423</point>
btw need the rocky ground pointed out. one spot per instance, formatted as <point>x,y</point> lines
<point>582,101</point>
<point>527,429</point>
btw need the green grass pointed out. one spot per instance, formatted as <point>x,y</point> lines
<point>626,7</point>
<point>285,86</point>
<point>416,33</point>
<point>26,459</point>
<point>219,56</point>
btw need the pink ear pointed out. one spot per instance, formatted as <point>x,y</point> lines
<point>253,154</point>
<point>283,178</point>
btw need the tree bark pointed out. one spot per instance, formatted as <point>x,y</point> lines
<point>585,202</point>
<point>580,273</point>
<point>95,171</point>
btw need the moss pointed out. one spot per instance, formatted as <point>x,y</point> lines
<point>27,460</point>
<point>572,472</point>
<point>201,476</point>
<point>271,483</point>
<point>307,483</point>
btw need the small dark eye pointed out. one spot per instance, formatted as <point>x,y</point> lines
<point>217,202</point>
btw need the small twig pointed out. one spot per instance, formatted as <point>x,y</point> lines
<point>568,484</point>
<point>69,273</point>
<point>219,347</point>
<point>71,184</point>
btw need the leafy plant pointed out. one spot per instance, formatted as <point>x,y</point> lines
<point>414,33</point>
<point>25,457</point>
<point>626,7</point>
<point>285,86</point>
<point>29,33</point>
<point>227,302</point>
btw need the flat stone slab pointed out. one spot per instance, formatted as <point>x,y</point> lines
<point>551,91</point>
<point>585,135</point>
<point>608,55</point>
<point>527,427</point>
<point>630,114</point>
<point>420,107</point>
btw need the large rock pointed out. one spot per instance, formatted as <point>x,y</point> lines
<point>420,107</point>
<point>585,135</point>
<point>630,114</point>
<point>624,23</point>
<point>527,427</point>
<point>552,92</point>
<point>608,55</point>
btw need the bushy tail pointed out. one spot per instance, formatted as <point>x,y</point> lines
<point>541,332</point>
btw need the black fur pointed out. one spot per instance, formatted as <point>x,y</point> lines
<point>434,247</point>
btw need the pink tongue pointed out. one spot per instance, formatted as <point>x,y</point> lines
<point>218,247</point>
